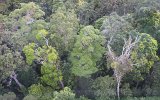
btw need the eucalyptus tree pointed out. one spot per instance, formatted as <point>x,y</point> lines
<point>117,27</point>
<point>122,64</point>
<point>132,55</point>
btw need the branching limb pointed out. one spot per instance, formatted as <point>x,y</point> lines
<point>14,77</point>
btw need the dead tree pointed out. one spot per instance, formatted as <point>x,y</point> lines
<point>121,64</point>
<point>13,76</point>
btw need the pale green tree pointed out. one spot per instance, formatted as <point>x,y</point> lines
<point>47,56</point>
<point>64,28</point>
<point>20,23</point>
<point>87,51</point>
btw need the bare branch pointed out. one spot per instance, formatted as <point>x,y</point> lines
<point>124,46</point>
<point>124,60</point>
<point>110,53</point>
<point>14,76</point>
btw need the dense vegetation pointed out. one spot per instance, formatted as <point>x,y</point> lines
<point>79,49</point>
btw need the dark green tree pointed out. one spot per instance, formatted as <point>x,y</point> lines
<point>104,88</point>
<point>64,28</point>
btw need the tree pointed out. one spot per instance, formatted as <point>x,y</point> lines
<point>10,61</point>
<point>117,26</point>
<point>39,92</point>
<point>135,58</point>
<point>151,86</point>
<point>20,23</point>
<point>92,10</point>
<point>116,29</point>
<point>47,57</point>
<point>6,6</point>
<point>122,64</point>
<point>30,97</point>
<point>147,20</point>
<point>87,51</point>
<point>104,88</point>
<point>145,55</point>
<point>66,94</point>
<point>8,96</point>
<point>64,28</point>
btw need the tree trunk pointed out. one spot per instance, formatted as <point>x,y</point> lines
<point>18,83</point>
<point>61,81</point>
<point>62,84</point>
<point>14,77</point>
<point>118,90</point>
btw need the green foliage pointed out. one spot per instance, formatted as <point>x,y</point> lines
<point>64,27</point>
<point>40,92</point>
<point>152,82</point>
<point>145,54</point>
<point>47,53</point>
<point>91,10</point>
<point>29,52</point>
<point>47,56</point>
<point>56,4</point>
<point>20,22</point>
<point>141,98</point>
<point>83,98</point>
<point>99,22</point>
<point>6,6</point>
<point>49,69</point>
<point>2,89</point>
<point>47,35</point>
<point>155,80</point>
<point>126,91</point>
<point>147,20</point>
<point>36,89</point>
<point>41,34</point>
<point>31,8</point>
<point>65,94</point>
<point>3,7</point>
<point>8,96</point>
<point>117,27</point>
<point>87,51</point>
<point>30,97</point>
<point>104,88</point>
<point>28,77</point>
<point>50,73</point>
<point>9,61</point>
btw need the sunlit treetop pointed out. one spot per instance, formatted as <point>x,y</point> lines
<point>27,10</point>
